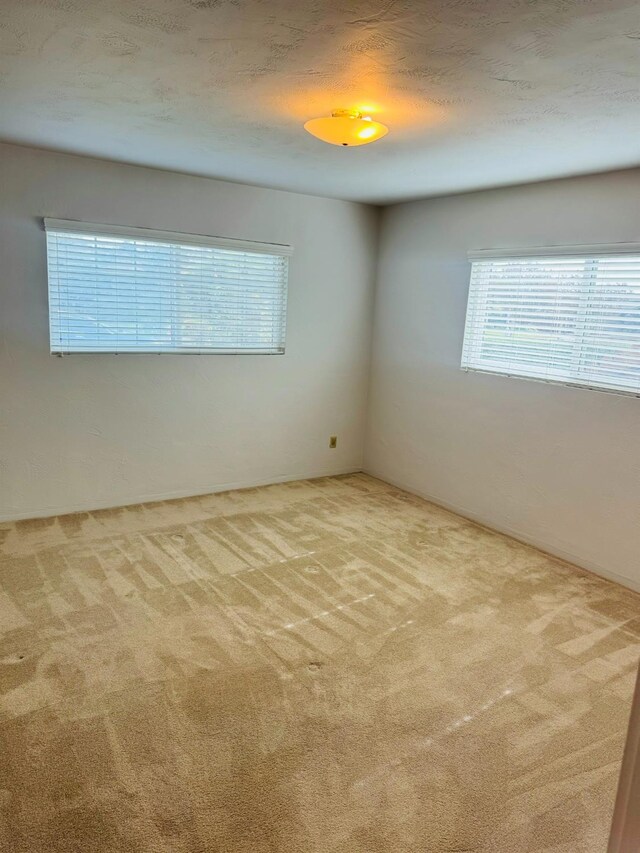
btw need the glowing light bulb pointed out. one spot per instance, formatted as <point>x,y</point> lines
<point>346,128</point>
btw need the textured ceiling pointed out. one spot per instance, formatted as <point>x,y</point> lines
<point>476,92</point>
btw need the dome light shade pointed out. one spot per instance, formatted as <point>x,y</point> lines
<point>347,128</point>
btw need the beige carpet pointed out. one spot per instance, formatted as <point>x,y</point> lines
<point>330,666</point>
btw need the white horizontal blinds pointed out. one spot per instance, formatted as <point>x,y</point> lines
<point>117,293</point>
<point>563,318</point>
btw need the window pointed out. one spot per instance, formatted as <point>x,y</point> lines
<point>561,315</point>
<point>115,289</point>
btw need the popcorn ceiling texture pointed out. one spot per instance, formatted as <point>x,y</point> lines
<point>476,92</point>
<point>326,666</point>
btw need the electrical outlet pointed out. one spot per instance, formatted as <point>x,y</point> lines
<point>333,441</point>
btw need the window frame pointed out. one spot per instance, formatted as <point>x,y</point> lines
<point>595,253</point>
<point>178,238</point>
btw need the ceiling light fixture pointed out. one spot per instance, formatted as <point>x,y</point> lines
<point>346,127</point>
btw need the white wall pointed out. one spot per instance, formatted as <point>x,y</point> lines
<point>554,466</point>
<point>87,431</point>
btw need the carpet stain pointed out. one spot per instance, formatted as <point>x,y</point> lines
<point>325,666</point>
